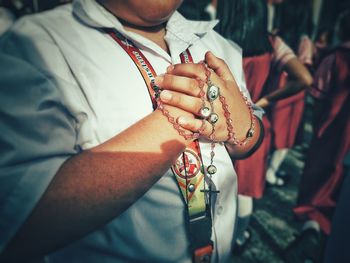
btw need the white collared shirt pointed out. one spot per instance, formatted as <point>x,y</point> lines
<point>67,86</point>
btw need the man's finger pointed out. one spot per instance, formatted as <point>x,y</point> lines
<point>195,125</point>
<point>219,66</point>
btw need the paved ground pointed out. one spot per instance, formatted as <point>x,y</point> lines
<point>273,225</point>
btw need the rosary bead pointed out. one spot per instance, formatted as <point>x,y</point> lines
<point>250,133</point>
<point>191,188</point>
<point>205,112</point>
<point>213,92</point>
<point>213,118</point>
<point>211,169</point>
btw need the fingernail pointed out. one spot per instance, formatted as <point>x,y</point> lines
<point>170,68</point>
<point>165,95</point>
<point>158,80</point>
<point>182,120</point>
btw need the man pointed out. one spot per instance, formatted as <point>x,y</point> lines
<point>85,167</point>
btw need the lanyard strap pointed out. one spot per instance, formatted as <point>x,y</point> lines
<point>188,168</point>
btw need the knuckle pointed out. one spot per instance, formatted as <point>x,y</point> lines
<point>208,129</point>
<point>197,105</point>
<point>221,60</point>
<point>194,87</point>
<point>200,71</point>
<point>176,99</point>
<point>168,80</point>
<point>175,66</point>
<point>199,124</point>
<point>222,128</point>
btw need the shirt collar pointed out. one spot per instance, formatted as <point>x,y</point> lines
<point>181,33</point>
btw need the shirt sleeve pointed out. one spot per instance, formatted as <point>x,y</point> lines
<point>282,53</point>
<point>37,135</point>
<point>305,50</point>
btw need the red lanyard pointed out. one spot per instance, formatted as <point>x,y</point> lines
<point>188,168</point>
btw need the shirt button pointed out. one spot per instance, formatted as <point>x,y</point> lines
<point>219,209</point>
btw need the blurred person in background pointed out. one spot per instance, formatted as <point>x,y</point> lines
<point>245,22</point>
<point>295,21</point>
<point>272,15</point>
<point>198,9</point>
<point>337,249</point>
<point>322,45</point>
<point>295,27</point>
<point>323,172</point>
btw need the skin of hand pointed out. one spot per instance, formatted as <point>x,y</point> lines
<point>181,89</point>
